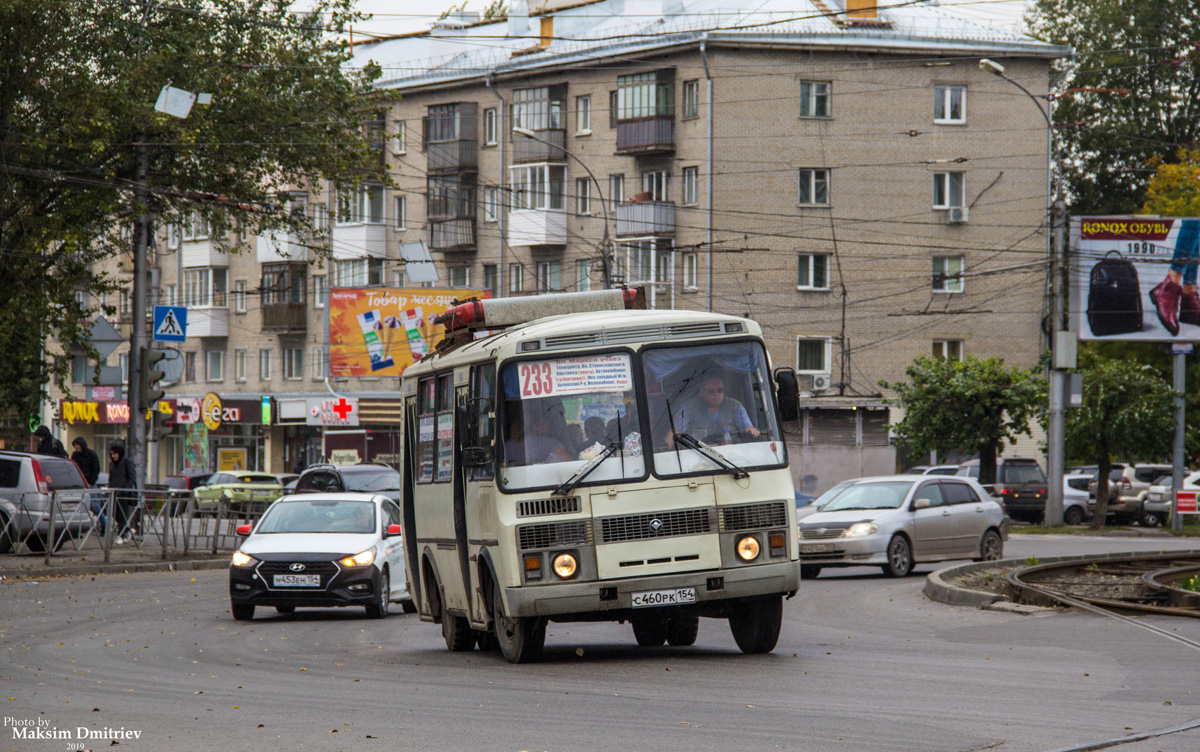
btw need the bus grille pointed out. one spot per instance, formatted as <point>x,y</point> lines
<point>754,516</point>
<point>655,525</point>
<point>539,507</point>
<point>553,534</point>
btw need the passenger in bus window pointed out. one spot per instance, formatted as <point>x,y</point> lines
<point>713,417</point>
<point>529,441</point>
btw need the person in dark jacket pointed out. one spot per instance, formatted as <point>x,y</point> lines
<point>48,444</point>
<point>89,465</point>
<point>122,475</point>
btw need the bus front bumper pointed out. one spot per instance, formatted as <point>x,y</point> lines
<point>616,595</point>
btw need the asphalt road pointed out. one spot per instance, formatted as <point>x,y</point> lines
<point>865,663</point>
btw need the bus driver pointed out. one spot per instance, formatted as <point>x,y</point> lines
<point>529,440</point>
<point>713,414</point>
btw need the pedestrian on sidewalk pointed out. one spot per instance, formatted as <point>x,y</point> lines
<point>89,464</point>
<point>48,444</point>
<point>123,475</point>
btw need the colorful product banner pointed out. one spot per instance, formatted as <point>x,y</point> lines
<point>380,332</point>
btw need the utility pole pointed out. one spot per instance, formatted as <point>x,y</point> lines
<point>139,340</point>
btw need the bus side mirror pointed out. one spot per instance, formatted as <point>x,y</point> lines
<point>476,457</point>
<point>787,392</point>
<point>466,423</point>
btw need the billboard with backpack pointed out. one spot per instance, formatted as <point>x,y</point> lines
<point>1134,278</point>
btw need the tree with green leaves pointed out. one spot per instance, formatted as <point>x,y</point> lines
<point>80,81</point>
<point>974,405</point>
<point>1174,188</point>
<point>1127,413</point>
<point>1130,95</point>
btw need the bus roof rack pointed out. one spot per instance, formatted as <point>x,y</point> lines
<point>498,313</point>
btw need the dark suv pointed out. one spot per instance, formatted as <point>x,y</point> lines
<point>367,477</point>
<point>1020,486</point>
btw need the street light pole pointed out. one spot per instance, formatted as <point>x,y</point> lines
<point>1062,350</point>
<point>605,244</point>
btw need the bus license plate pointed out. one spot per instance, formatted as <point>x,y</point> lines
<point>674,597</point>
<point>816,548</point>
<point>297,580</point>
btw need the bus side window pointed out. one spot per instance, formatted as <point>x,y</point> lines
<point>426,429</point>
<point>483,406</point>
<point>445,427</point>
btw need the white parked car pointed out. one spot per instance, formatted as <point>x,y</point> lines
<point>328,549</point>
<point>1157,507</point>
<point>1075,493</point>
<point>896,521</point>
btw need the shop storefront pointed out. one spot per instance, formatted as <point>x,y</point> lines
<point>340,430</point>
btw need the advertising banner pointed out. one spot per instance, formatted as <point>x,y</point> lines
<point>1134,278</point>
<point>380,332</point>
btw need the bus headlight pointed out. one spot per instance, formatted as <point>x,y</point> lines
<point>860,529</point>
<point>565,566</point>
<point>242,560</point>
<point>359,560</point>
<point>748,548</point>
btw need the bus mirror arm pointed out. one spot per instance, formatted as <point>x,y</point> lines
<point>476,457</point>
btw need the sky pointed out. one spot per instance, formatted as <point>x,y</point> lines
<point>401,16</point>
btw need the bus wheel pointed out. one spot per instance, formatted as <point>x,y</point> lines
<point>457,632</point>
<point>650,631</point>
<point>521,638</point>
<point>683,630</point>
<point>755,623</point>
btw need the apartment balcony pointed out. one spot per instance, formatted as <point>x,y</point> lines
<point>526,149</point>
<point>282,318</point>
<point>530,227</point>
<point>203,252</point>
<point>456,234</point>
<point>359,240</point>
<point>641,218</point>
<point>282,247</point>
<point>208,321</point>
<point>646,136</point>
<point>459,155</point>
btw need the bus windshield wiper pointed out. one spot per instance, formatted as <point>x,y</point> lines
<point>569,485</point>
<point>691,442</point>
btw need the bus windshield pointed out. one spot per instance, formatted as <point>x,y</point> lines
<point>717,394</point>
<point>560,414</point>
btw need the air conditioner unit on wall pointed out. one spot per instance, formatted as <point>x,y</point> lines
<point>820,382</point>
<point>957,215</point>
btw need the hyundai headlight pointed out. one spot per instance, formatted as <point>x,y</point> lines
<point>243,560</point>
<point>359,560</point>
<point>860,529</point>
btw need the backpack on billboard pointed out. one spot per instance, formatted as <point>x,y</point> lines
<point>1114,297</point>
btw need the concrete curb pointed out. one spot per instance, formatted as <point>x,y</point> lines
<point>937,589</point>
<point>69,570</point>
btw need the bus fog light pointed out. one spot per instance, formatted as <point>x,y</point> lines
<point>747,548</point>
<point>565,566</point>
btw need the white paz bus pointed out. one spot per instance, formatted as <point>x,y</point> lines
<point>585,462</point>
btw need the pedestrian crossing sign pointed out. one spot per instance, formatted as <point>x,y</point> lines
<point>170,323</point>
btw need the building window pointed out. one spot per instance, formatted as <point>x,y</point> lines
<point>651,263</point>
<point>948,190</point>
<point>205,287</point>
<point>691,185</point>
<point>321,219</point>
<point>549,276</point>
<point>583,275</point>
<point>538,109</point>
<point>214,367</point>
<point>282,284</point>
<point>814,99</point>
<point>491,279</point>
<point>655,184</point>
<point>612,109</point>
<point>239,296</point>
<point>583,196</point>
<point>812,355</point>
<point>319,290</point>
<point>399,137</point>
<point>491,204</point>
<point>318,363</point>
<point>195,226</point>
<point>813,272</point>
<point>460,276</point>
<point>516,281</point>
<point>947,349</point>
<point>814,187</point>
<point>174,235</point>
<point>583,115</point>
<point>538,186</point>
<point>645,95</point>
<point>947,273</point>
<point>367,272</point>
<point>691,99</point>
<point>239,365</point>
<point>949,104</point>
<point>489,127</point>
<point>189,366</point>
<point>170,296</point>
<point>691,272</point>
<point>264,365</point>
<point>125,305</point>
<point>400,211</point>
<point>361,205</point>
<point>293,363</point>
<point>616,190</point>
